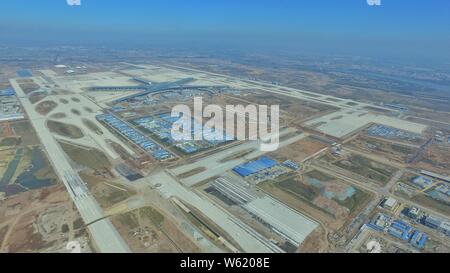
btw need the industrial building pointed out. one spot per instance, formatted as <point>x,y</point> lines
<point>432,222</point>
<point>239,193</point>
<point>398,229</point>
<point>435,175</point>
<point>390,204</point>
<point>7,92</point>
<point>10,108</point>
<point>436,223</point>
<point>161,127</point>
<point>256,166</point>
<point>379,222</point>
<point>412,213</point>
<point>391,133</point>
<point>281,219</point>
<point>290,164</point>
<point>136,137</point>
<point>445,228</point>
<point>422,182</point>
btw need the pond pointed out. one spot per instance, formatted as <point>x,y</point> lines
<point>28,179</point>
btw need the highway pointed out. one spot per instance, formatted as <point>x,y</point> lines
<point>105,237</point>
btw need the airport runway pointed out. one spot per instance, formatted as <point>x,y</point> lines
<point>105,236</point>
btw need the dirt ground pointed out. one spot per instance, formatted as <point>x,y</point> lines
<point>93,127</point>
<point>25,131</point>
<point>39,221</point>
<point>316,242</point>
<point>305,207</point>
<point>106,192</point>
<point>37,97</point>
<point>46,107</point>
<point>65,130</point>
<point>376,172</point>
<point>299,150</point>
<point>392,151</point>
<point>89,157</point>
<point>146,230</point>
<point>292,111</point>
<point>29,86</point>
<point>437,159</point>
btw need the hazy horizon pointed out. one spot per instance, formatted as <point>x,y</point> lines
<point>414,30</point>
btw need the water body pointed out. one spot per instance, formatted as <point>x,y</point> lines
<point>5,186</point>
<point>28,178</point>
<point>12,167</point>
<point>342,196</point>
<point>347,194</point>
<point>314,182</point>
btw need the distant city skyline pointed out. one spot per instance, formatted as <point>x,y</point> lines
<point>404,29</point>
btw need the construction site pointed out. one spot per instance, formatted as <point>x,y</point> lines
<point>107,137</point>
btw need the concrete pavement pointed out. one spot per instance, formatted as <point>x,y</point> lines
<point>103,233</point>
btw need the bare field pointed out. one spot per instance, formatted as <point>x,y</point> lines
<point>436,159</point>
<point>106,192</point>
<point>92,126</point>
<point>366,168</point>
<point>26,132</point>
<point>302,205</point>
<point>293,111</point>
<point>429,202</point>
<point>38,221</point>
<point>298,151</point>
<point>316,242</point>
<point>146,230</point>
<point>88,157</point>
<point>45,107</point>
<point>393,151</point>
<point>65,130</point>
<point>29,87</point>
<point>36,97</point>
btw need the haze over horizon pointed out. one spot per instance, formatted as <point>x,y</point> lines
<point>397,29</point>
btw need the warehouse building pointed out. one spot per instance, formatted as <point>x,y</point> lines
<point>256,166</point>
<point>435,175</point>
<point>289,224</point>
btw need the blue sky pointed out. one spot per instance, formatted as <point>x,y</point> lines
<point>402,27</point>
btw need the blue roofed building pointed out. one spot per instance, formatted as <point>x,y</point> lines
<point>255,166</point>
<point>432,222</point>
<point>419,240</point>
<point>7,92</point>
<point>422,182</point>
